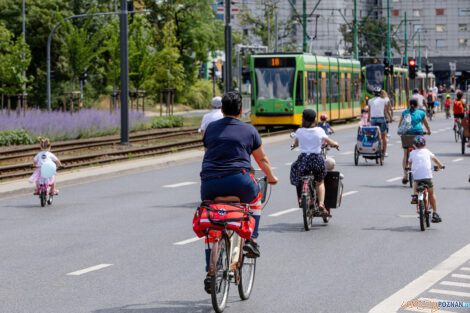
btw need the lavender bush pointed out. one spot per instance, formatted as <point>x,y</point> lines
<point>59,125</point>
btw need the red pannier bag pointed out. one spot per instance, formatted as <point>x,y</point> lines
<point>219,216</point>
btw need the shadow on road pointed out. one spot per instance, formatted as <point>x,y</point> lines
<point>449,154</point>
<point>402,229</point>
<point>289,227</point>
<point>190,205</point>
<point>162,307</point>
<point>388,186</point>
<point>455,188</point>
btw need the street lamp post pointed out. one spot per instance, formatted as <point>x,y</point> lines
<point>228,48</point>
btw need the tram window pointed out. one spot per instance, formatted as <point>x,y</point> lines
<point>357,87</point>
<point>323,90</point>
<point>299,89</point>
<point>334,87</point>
<point>348,90</point>
<point>311,88</point>
<point>275,83</point>
<point>342,92</point>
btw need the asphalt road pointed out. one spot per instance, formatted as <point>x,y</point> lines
<point>128,227</point>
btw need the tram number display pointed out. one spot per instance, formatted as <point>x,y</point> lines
<point>274,62</point>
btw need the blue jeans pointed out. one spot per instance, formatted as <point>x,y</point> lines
<point>379,121</point>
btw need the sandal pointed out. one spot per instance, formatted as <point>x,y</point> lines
<point>404,181</point>
<point>55,193</point>
<point>323,209</point>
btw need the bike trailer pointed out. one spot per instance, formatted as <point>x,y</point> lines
<point>219,216</point>
<point>333,190</point>
<point>368,139</point>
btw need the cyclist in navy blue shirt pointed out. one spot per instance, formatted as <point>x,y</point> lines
<point>229,144</point>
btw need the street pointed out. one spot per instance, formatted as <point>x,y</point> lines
<point>126,244</point>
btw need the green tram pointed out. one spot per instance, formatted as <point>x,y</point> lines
<point>286,84</point>
<point>397,84</point>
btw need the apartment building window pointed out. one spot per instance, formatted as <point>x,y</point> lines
<point>440,43</point>
<point>463,43</point>
<point>416,43</point>
<point>417,27</point>
<point>440,28</point>
<point>395,12</point>
<point>463,12</point>
<point>439,11</point>
<point>396,1</point>
<point>463,27</point>
<point>417,12</point>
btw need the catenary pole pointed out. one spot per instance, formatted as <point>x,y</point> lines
<point>356,50</point>
<point>406,44</point>
<point>228,48</point>
<point>304,22</point>
<point>389,48</point>
<point>124,73</point>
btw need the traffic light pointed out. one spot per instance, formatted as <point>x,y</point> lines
<point>212,72</point>
<point>429,68</point>
<point>83,76</point>
<point>412,68</point>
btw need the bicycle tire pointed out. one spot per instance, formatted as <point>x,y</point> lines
<point>49,200</point>
<point>410,179</point>
<point>306,212</point>
<point>426,215</point>
<point>42,196</point>
<point>247,277</point>
<point>220,283</point>
<point>356,156</point>
<point>421,214</point>
<point>456,133</point>
<point>463,141</point>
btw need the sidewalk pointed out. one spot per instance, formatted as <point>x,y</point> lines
<point>90,174</point>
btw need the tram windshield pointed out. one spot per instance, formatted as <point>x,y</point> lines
<point>275,83</point>
<point>374,76</point>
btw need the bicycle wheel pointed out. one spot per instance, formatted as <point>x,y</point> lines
<point>410,179</point>
<point>463,141</point>
<point>426,215</point>
<point>356,156</point>
<point>49,200</point>
<point>42,196</point>
<point>306,212</point>
<point>220,283</point>
<point>421,214</point>
<point>456,133</point>
<point>247,277</point>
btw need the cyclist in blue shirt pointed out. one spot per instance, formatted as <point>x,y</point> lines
<point>418,117</point>
<point>325,125</point>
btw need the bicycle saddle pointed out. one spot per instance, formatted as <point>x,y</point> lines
<point>227,199</point>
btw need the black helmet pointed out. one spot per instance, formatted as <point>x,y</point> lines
<point>415,90</point>
<point>377,91</point>
<point>309,115</point>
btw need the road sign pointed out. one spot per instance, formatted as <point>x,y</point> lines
<point>452,66</point>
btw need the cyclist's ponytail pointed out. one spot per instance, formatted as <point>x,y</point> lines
<point>44,143</point>
<point>413,105</point>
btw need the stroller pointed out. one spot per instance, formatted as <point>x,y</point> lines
<point>369,144</point>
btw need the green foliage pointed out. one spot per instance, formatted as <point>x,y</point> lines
<point>16,137</point>
<point>12,63</point>
<point>166,121</point>
<point>372,36</point>
<point>259,27</point>
<point>199,96</point>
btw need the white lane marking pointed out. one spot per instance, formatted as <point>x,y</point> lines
<point>347,153</point>
<point>393,179</point>
<point>350,193</point>
<point>390,144</point>
<point>424,282</point>
<point>408,215</point>
<point>186,183</point>
<point>89,269</point>
<point>457,160</point>
<point>456,284</point>
<point>284,212</point>
<point>428,310</point>
<point>450,292</point>
<point>465,268</point>
<point>461,276</point>
<point>194,239</point>
<point>289,163</point>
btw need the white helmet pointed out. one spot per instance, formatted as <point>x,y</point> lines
<point>217,102</point>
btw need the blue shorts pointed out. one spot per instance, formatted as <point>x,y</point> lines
<point>379,121</point>
<point>241,185</point>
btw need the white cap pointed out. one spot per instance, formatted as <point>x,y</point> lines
<point>330,164</point>
<point>217,102</point>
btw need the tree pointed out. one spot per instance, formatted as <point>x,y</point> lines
<point>12,63</point>
<point>81,48</point>
<point>261,27</point>
<point>372,35</point>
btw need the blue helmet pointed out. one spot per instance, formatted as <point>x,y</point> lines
<point>419,141</point>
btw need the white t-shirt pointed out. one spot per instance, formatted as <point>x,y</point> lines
<point>43,156</point>
<point>420,99</point>
<point>208,118</point>
<point>310,139</point>
<point>421,163</point>
<point>377,107</point>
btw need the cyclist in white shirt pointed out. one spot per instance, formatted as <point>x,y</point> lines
<point>421,100</point>
<point>214,115</point>
<point>379,114</point>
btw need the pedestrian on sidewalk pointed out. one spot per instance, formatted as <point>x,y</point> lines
<point>214,115</point>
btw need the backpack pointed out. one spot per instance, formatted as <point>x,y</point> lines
<point>458,107</point>
<point>430,99</point>
<point>405,125</point>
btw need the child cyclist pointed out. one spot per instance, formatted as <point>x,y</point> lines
<point>420,164</point>
<point>325,125</point>
<point>39,159</point>
<point>447,104</point>
<point>310,139</point>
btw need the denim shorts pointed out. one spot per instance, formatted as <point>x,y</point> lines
<point>379,121</point>
<point>241,185</point>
